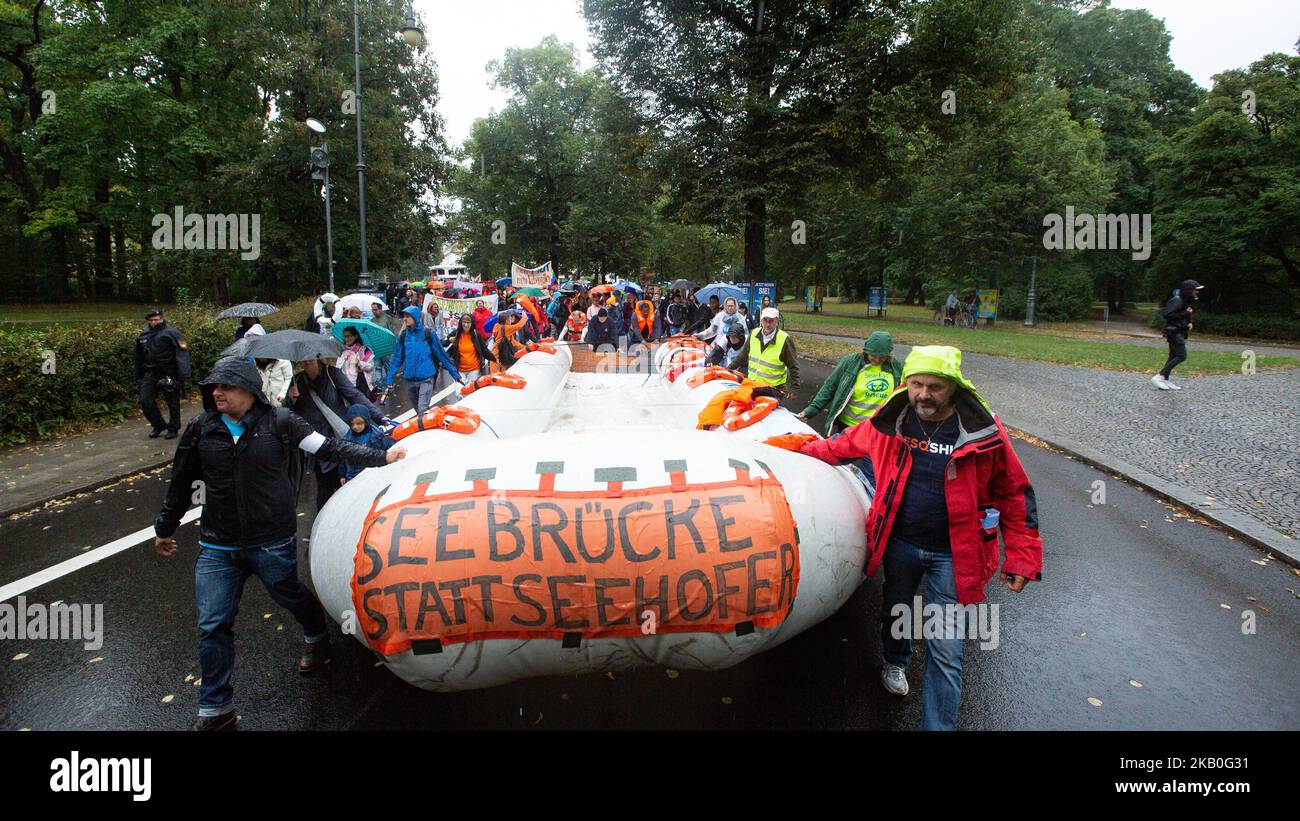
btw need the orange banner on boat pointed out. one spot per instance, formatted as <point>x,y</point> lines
<point>484,564</point>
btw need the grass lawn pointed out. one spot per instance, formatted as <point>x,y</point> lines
<point>76,312</point>
<point>1024,343</point>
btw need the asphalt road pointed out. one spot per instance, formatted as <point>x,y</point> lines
<point>1130,593</point>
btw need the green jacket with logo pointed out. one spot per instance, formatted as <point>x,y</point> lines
<point>838,387</point>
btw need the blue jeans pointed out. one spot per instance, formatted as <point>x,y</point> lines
<point>419,393</point>
<point>904,563</point>
<point>219,577</point>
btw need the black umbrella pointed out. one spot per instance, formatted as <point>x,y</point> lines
<point>295,346</point>
<point>682,285</point>
<point>570,288</point>
<point>253,309</point>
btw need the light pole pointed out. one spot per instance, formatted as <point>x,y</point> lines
<point>1029,301</point>
<point>320,160</point>
<point>414,36</point>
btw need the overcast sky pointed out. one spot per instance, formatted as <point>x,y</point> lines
<point>1209,36</point>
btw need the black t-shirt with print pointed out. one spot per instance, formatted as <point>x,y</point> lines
<point>923,512</point>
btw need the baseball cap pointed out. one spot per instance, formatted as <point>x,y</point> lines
<point>770,313</point>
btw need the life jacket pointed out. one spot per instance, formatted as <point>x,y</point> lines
<point>645,316</point>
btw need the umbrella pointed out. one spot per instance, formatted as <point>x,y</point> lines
<point>602,289</point>
<point>723,291</point>
<point>296,346</point>
<point>243,309</point>
<point>682,285</point>
<point>625,286</point>
<point>532,290</point>
<point>504,281</point>
<point>375,337</point>
<point>570,288</point>
<point>361,300</point>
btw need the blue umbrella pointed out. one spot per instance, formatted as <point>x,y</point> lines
<point>504,281</point>
<point>625,286</point>
<point>375,337</point>
<point>722,291</point>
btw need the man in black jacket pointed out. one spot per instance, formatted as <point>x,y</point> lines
<point>162,363</point>
<point>1178,323</point>
<point>239,460</point>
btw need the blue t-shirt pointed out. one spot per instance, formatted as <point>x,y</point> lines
<point>236,428</point>
<point>923,512</point>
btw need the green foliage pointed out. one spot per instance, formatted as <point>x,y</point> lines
<point>91,375</point>
<point>1244,326</point>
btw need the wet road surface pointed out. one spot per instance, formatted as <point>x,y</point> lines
<point>1131,592</point>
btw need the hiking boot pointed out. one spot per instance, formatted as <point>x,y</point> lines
<point>314,655</point>
<point>156,432</point>
<point>225,721</point>
<point>1161,383</point>
<point>894,679</point>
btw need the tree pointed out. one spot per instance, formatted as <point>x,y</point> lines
<point>737,87</point>
<point>1228,190</point>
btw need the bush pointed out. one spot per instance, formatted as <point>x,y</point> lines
<point>80,373</point>
<point>1248,326</point>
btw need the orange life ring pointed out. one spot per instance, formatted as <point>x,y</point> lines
<point>711,373</point>
<point>455,419</point>
<point>739,415</point>
<point>500,380</point>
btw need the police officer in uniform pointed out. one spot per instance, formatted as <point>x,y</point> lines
<point>162,364</point>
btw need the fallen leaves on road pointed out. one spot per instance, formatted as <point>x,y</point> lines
<point>1135,683</point>
<point>168,699</point>
<point>1095,702</point>
<point>20,656</point>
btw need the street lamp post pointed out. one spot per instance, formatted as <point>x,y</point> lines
<point>413,35</point>
<point>1029,301</point>
<point>320,159</point>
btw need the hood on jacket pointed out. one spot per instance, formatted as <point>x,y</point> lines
<point>973,414</point>
<point>414,312</point>
<point>357,409</point>
<point>881,343</point>
<point>939,360</point>
<point>233,370</point>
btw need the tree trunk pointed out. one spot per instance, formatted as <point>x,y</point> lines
<point>103,243</point>
<point>755,239</point>
<point>146,275</point>
<point>122,288</point>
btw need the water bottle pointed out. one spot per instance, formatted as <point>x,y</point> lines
<point>990,520</point>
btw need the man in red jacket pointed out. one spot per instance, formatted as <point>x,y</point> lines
<point>946,479</point>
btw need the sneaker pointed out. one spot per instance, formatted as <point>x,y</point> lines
<point>894,679</point>
<point>156,432</point>
<point>172,434</point>
<point>314,655</point>
<point>225,721</point>
<point>1171,386</point>
<point>1160,382</point>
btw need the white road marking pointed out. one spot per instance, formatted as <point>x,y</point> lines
<point>74,564</point>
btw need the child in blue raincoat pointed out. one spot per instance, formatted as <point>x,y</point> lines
<point>361,432</point>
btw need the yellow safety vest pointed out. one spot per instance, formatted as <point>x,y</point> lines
<point>766,366</point>
<point>870,391</point>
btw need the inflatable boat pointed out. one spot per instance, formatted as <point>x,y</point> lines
<point>568,517</point>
